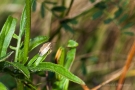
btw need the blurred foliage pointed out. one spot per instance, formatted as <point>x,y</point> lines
<point>104,30</point>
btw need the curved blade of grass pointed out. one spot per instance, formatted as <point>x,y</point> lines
<point>58,69</point>
<point>6,56</point>
<point>37,41</point>
<point>20,67</point>
<point>6,34</point>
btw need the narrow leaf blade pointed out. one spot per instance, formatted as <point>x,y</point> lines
<point>59,70</point>
<point>6,34</point>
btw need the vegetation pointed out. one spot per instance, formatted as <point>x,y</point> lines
<point>62,45</point>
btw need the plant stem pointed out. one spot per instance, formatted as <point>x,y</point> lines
<point>27,31</point>
<point>17,49</point>
<point>19,85</point>
<point>59,28</point>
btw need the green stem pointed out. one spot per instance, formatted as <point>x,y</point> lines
<point>27,31</point>
<point>17,49</point>
<point>19,85</point>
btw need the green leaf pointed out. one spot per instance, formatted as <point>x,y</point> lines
<point>41,58</point>
<point>67,27</point>
<point>123,18</point>
<point>97,14</point>
<point>49,2</point>
<point>118,13</point>
<point>33,60</point>
<point>72,44</point>
<point>34,4</point>
<point>2,86</point>
<point>130,24</point>
<point>72,21</point>
<point>11,81</point>
<point>107,21</point>
<point>6,34</point>
<point>129,33</point>
<point>23,22</point>
<point>22,29</point>
<point>57,69</point>
<point>92,1</point>
<point>6,56</point>
<point>59,8</point>
<point>37,41</point>
<point>101,5</point>
<point>42,10</point>
<point>20,67</point>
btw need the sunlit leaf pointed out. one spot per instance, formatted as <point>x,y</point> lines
<point>23,22</point>
<point>6,34</point>
<point>72,43</point>
<point>57,69</point>
<point>2,87</point>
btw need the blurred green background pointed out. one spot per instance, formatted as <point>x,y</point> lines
<point>104,30</point>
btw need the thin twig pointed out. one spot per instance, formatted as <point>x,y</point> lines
<point>71,3</point>
<point>59,28</point>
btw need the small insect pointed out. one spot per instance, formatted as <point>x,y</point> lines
<point>45,48</point>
